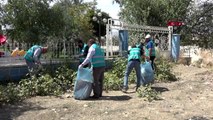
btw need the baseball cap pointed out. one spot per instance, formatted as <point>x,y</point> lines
<point>148,36</point>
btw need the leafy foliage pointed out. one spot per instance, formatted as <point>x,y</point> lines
<point>76,19</point>
<point>64,20</point>
<point>112,81</point>
<point>64,77</point>
<point>148,93</point>
<point>199,27</point>
<point>146,12</point>
<point>44,84</point>
<point>114,77</point>
<point>163,71</point>
<point>197,16</point>
<point>9,93</point>
<point>26,21</point>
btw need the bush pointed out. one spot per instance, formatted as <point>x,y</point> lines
<point>44,84</point>
<point>113,79</point>
<point>9,93</point>
<point>65,77</point>
<point>148,93</point>
<point>163,71</point>
<point>47,84</point>
<point>112,82</point>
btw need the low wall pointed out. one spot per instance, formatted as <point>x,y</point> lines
<point>15,71</point>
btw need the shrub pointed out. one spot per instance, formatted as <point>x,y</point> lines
<point>114,77</point>
<point>148,93</point>
<point>112,82</point>
<point>163,71</point>
<point>46,84</point>
<point>43,84</point>
<point>9,93</point>
<point>65,77</point>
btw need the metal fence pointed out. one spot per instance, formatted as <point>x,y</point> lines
<point>58,50</point>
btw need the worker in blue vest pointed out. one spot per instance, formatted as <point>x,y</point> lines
<point>83,51</point>
<point>150,50</point>
<point>96,57</point>
<point>32,58</point>
<point>134,60</point>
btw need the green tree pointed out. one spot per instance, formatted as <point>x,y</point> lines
<point>199,25</point>
<point>36,21</point>
<point>152,12</point>
<point>76,17</point>
<point>30,20</point>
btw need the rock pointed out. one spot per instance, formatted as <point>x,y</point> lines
<point>68,96</point>
<point>85,105</point>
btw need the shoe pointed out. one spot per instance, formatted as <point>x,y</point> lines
<point>136,89</point>
<point>94,97</point>
<point>124,89</point>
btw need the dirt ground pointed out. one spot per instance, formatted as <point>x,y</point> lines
<point>189,98</point>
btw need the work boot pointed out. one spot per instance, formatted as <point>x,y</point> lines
<point>124,89</point>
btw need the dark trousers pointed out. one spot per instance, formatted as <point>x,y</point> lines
<point>152,59</point>
<point>32,68</point>
<point>98,74</point>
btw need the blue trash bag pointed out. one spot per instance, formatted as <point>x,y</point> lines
<point>83,84</point>
<point>147,72</point>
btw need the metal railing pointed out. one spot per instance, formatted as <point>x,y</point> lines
<point>56,51</point>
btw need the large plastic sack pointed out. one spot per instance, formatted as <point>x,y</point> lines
<point>147,72</point>
<point>83,84</point>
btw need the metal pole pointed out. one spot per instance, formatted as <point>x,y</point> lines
<point>107,40</point>
<point>99,32</point>
<point>170,40</point>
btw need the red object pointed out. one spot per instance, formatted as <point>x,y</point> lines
<point>174,23</point>
<point>2,39</point>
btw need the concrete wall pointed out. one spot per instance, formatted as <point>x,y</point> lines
<point>17,71</point>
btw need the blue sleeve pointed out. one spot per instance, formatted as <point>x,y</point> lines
<point>149,45</point>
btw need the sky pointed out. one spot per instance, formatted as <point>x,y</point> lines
<point>108,7</point>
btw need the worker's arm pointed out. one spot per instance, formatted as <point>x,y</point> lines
<point>36,55</point>
<point>89,56</point>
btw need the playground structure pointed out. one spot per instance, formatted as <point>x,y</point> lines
<point>136,33</point>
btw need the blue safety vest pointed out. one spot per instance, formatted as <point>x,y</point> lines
<point>135,54</point>
<point>147,49</point>
<point>98,57</point>
<point>29,55</point>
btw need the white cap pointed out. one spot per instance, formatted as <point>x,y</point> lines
<point>148,36</point>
